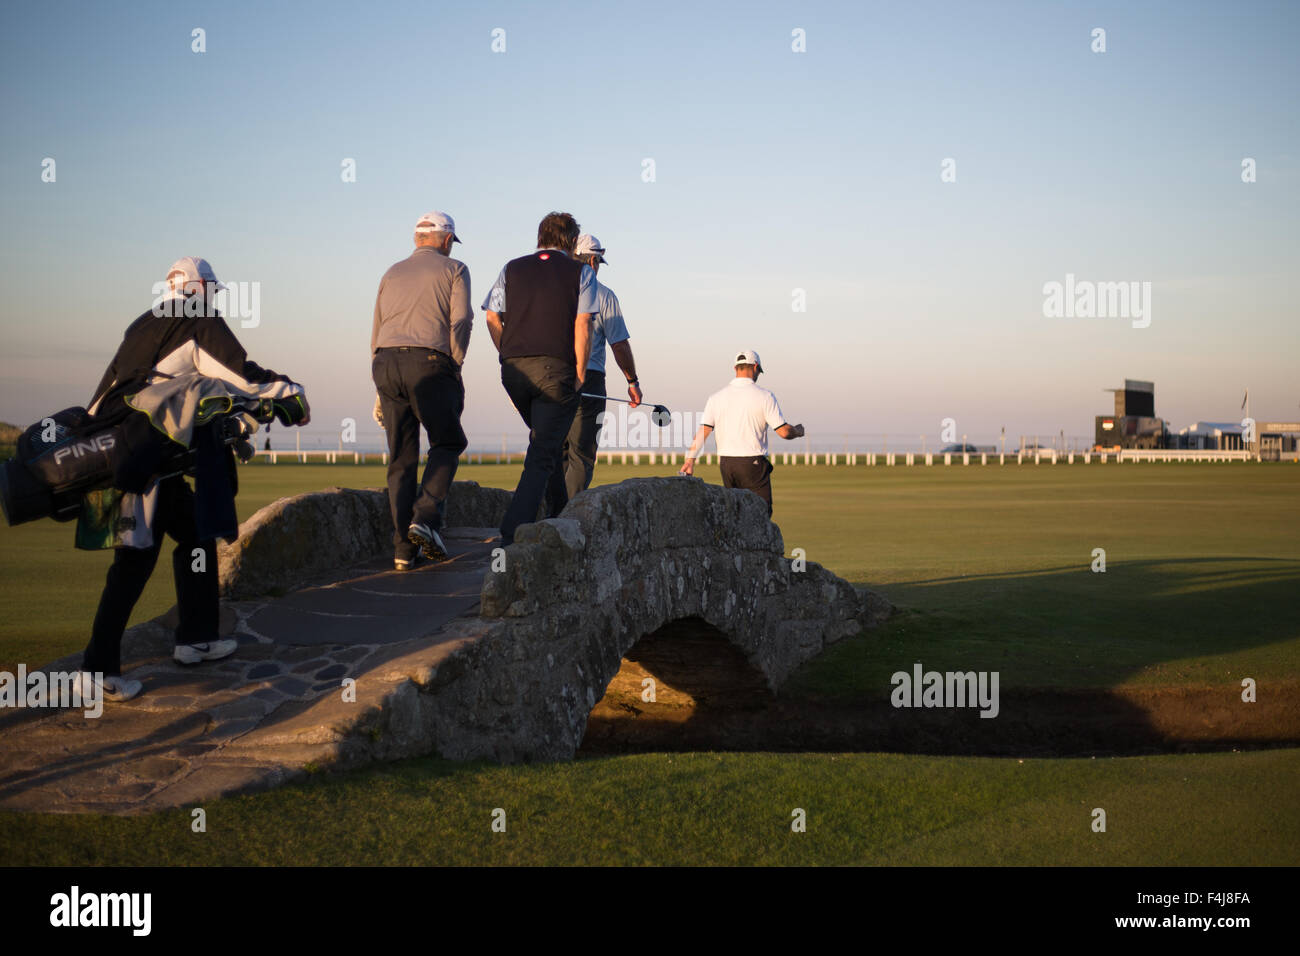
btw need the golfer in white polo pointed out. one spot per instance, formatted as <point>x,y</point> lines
<point>741,414</point>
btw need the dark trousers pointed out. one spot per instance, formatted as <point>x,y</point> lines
<point>196,591</point>
<point>754,474</point>
<point>579,452</point>
<point>419,387</point>
<point>545,392</point>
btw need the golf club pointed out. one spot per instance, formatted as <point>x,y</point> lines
<point>659,414</point>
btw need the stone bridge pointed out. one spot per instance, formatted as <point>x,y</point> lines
<point>498,653</point>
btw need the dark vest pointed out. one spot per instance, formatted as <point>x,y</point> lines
<point>541,305</point>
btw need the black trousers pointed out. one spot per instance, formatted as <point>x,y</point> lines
<point>579,452</point>
<point>419,387</point>
<point>196,591</point>
<point>753,473</point>
<point>545,392</point>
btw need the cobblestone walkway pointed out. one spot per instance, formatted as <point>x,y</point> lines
<point>219,728</point>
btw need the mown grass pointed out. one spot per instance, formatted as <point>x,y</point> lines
<point>991,564</point>
<point>733,809</point>
<point>991,569</point>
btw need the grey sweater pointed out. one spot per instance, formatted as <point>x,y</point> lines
<point>424,301</point>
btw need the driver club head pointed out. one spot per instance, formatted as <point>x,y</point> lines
<point>659,414</point>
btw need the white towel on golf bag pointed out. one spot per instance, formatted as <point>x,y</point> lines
<point>176,405</point>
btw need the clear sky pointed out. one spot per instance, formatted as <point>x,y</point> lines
<point>774,171</point>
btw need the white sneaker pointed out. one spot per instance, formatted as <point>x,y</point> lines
<point>430,544</point>
<point>210,651</point>
<point>110,688</point>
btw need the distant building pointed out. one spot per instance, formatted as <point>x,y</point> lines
<point>1279,441</point>
<point>1210,436</point>
<point>1134,424</point>
<point>1276,441</point>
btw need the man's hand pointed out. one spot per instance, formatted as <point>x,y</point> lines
<point>378,413</point>
<point>697,446</point>
<point>627,365</point>
<point>790,432</point>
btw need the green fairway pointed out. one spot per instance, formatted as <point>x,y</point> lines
<point>990,567</point>
<point>994,566</point>
<point>675,809</point>
<point>991,564</point>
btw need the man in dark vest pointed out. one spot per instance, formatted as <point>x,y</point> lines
<point>544,337</point>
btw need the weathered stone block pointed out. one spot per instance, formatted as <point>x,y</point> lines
<point>293,540</point>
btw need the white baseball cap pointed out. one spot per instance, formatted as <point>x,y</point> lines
<point>589,245</point>
<point>748,357</point>
<point>437,222</point>
<point>194,269</point>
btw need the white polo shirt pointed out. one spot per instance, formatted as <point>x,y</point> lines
<point>740,415</point>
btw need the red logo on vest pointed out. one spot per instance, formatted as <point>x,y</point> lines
<point>544,256</point>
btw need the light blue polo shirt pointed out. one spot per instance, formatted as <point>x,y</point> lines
<point>608,326</point>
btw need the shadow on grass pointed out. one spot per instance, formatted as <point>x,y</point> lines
<point>1171,622</point>
<point>1147,657</point>
<point>1064,642</point>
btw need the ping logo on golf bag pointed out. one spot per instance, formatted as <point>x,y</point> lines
<point>77,449</point>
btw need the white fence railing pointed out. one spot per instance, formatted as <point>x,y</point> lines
<point>331,456</point>
<point>888,459</point>
<point>1184,454</point>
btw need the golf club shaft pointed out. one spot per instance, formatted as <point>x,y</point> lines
<point>658,413</point>
<point>625,401</point>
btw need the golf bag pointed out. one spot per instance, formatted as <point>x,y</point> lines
<point>62,457</point>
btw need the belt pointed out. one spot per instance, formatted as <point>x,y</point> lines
<point>410,348</point>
